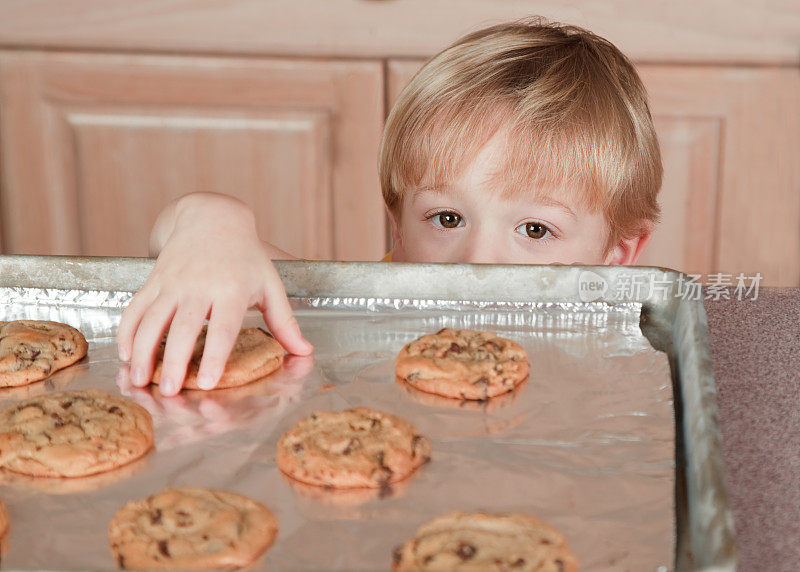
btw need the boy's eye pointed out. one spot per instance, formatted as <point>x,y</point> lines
<point>447,219</point>
<point>535,230</point>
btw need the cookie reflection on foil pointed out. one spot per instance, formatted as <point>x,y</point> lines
<point>489,405</point>
<point>342,504</point>
<point>57,382</point>
<point>231,395</point>
<point>4,524</point>
<point>193,415</point>
<point>72,485</point>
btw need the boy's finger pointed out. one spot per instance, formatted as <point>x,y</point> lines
<point>281,321</point>
<point>183,331</point>
<point>298,366</point>
<point>129,322</point>
<point>213,411</point>
<point>223,329</point>
<point>148,336</point>
<point>124,379</point>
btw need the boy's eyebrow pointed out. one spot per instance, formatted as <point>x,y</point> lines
<point>439,189</point>
<point>544,200</point>
<point>550,202</point>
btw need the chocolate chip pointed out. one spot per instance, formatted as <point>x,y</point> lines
<point>351,446</point>
<point>382,474</point>
<point>492,346</point>
<point>373,423</point>
<point>314,417</point>
<point>427,559</point>
<point>115,409</point>
<point>59,422</point>
<point>121,560</point>
<point>545,541</point>
<point>385,491</point>
<point>419,447</point>
<point>297,448</point>
<point>483,382</point>
<point>163,548</point>
<point>466,551</point>
<point>443,330</point>
<point>155,517</point>
<point>560,564</point>
<point>518,562</point>
<point>414,375</point>
<point>454,349</point>
<point>397,555</point>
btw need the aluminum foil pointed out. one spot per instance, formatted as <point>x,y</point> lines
<point>587,443</point>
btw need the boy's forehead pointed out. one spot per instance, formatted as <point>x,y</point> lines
<point>503,160</point>
<point>495,171</point>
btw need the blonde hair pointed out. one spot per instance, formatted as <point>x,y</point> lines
<point>571,105</point>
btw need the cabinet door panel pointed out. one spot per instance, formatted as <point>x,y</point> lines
<point>100,143</point>
<point>738,132</point>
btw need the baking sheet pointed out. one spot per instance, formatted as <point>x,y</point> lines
<point>586,444</point>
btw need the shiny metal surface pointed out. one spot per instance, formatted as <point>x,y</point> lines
<point>588,443</point>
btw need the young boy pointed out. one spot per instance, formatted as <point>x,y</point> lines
<point>524,143</point>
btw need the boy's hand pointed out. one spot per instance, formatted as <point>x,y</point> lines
<point>213,266</point>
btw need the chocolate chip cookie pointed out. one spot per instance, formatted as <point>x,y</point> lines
<point>484,541</point>
<point>190,529</point>
<point>73,434</point>
<point>254,355</point>
<point>358,447</point>
<point>31,350</point>
<point>463,364</point>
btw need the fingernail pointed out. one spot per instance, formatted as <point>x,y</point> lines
<point>309,347</point>
<point>205,381</point>
<point>138,378</point>
<point>124,355</point>
<point>168,387</point>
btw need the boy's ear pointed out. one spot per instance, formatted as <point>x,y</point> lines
<point>628,250</point>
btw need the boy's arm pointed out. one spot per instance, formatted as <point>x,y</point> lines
<point>210,264</point>
<point>165,223</point>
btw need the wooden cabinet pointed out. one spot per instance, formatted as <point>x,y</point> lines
<point>109,110</point>
<point>730,138</point>
<point>95,145</point>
